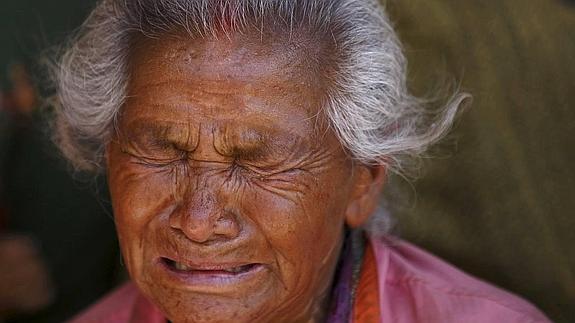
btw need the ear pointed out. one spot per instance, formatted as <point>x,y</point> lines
<point>365,195</point>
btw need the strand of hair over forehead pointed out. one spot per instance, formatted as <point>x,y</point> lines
<point>369,107</point>
<point>210,17</point>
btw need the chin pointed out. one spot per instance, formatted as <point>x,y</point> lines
<point>212,308</point>
<point>181,299</point>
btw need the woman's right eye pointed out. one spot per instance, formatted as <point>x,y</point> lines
<point>153,151</point>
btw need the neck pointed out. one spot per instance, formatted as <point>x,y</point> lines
<point>342,293</point>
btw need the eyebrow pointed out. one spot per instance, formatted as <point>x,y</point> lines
<point>231,140</point>
<point>251,143</point>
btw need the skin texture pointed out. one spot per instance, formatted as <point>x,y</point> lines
<point>220,159</point>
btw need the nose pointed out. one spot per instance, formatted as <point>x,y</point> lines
<point>202,219</point>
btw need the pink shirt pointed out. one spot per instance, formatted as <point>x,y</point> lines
<point>419,287</point>
<point>414,287</point>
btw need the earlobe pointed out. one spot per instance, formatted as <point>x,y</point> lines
<point>368,184</point>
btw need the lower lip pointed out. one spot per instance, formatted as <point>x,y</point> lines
<point>216,281</point>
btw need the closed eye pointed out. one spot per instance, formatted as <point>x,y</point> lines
<point>154,161</point>
<point>270,173</point>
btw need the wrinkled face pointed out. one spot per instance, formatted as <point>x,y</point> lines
<point>229,199</point>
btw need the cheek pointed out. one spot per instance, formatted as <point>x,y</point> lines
<point>303,231</point>
<point>138,198</point>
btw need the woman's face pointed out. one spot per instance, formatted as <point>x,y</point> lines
<point>229,195</point>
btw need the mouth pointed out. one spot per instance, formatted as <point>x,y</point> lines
<point>211,277</point>
<point>210,269</point>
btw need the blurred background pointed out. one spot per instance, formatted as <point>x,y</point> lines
<point>58,250</point>
<point>497,200</point>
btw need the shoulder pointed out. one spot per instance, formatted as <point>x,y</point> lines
<point>114,307</point>
<point>416,286</point>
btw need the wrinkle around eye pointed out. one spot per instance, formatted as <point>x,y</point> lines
<point>278,181</point>
<point>152,161</point>
<point>291,192</point>
<point>269,172</point>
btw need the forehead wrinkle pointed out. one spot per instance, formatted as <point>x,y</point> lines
<point>228,87</point>
<point>190,94</point>
<point>190,87</point>
<point>191,100</point>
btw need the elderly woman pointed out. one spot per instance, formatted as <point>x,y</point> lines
<point>246,143</point>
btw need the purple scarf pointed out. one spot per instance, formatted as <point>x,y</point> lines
<point>346,278</point>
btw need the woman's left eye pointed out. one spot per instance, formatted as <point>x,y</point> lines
<point>267,172</point>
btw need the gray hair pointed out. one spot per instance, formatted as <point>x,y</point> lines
<point>369,106</point>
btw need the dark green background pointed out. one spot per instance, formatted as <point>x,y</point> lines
<point>499,201</point>
<point>27,26</point>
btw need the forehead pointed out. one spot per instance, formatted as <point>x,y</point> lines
<point>234,77</point>
<point>237,57</point>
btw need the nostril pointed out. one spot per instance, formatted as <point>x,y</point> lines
<point>228,226</point>
<point>200,218</point>
<point>196,223</point>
